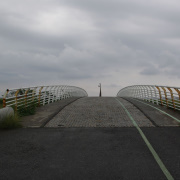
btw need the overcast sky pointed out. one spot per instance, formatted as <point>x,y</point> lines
<point>85,42</point>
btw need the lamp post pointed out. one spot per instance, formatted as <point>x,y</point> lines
<point>100,90</point>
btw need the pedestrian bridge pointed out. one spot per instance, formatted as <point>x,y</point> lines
<point>112,112</point>
<point>134,135</point>
<point>69,106</point>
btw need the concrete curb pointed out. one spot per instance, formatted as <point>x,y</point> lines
<point>144,112</point>
<point>56,112</point>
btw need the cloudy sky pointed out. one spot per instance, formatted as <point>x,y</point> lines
<point>85,42</point>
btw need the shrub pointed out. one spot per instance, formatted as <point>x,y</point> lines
<point>1,103</point>
<point>10,122</point>
<point>29,110</point>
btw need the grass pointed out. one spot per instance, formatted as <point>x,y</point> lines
<point>10,122</point>
<point>1,103</point>
<point>26,111</point>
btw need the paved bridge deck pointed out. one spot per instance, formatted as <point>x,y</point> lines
<point>107,112</point>
<point>98,112</point>
<point>93,138</point>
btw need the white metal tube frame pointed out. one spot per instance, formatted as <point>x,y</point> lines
<point>162,95</point>
<point>40,95</point>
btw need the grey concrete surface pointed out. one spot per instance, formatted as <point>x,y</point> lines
<point>87,153</point>
<point>45,113</point>
<point>158,118</point>
<point>166,142</point>
<point>98,112</point>
<point>107,152</point>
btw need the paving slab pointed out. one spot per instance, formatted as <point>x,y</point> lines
<point>45,113</point>
<point>98,112</point>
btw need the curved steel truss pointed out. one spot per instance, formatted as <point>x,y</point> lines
<point>40,95</point>
<point>163,95</point>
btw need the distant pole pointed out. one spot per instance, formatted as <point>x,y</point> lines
<point>100,90</point>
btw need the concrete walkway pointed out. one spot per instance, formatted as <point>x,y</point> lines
<point>45,113</point>
<point>92,138</point>
<point>157,117</point>
<point>87,153</point>
<point>107,112</point>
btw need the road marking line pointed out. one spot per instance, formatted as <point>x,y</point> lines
<point>159,110</point>
<point>155,155</point>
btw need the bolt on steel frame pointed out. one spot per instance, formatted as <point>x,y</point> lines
<point>40,95</point>
<point>161,95</point>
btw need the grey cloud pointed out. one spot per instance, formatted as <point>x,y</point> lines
<point>150,71</point>
<point>83,42</point>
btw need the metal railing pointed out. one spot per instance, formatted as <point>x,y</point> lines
<point>40,95</point>
<point>161,95</point>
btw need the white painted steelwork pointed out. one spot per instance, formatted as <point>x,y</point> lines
<point>40,95</point>
<point>162,95</point>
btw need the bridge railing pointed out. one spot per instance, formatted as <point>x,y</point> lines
<point>161,95</point>
<point>40,95</point>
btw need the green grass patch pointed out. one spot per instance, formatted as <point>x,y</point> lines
<point>29,110</point>
<point>10,122</point>
<point>1,103</point>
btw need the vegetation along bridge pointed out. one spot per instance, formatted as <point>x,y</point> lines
<point>134,135</point>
